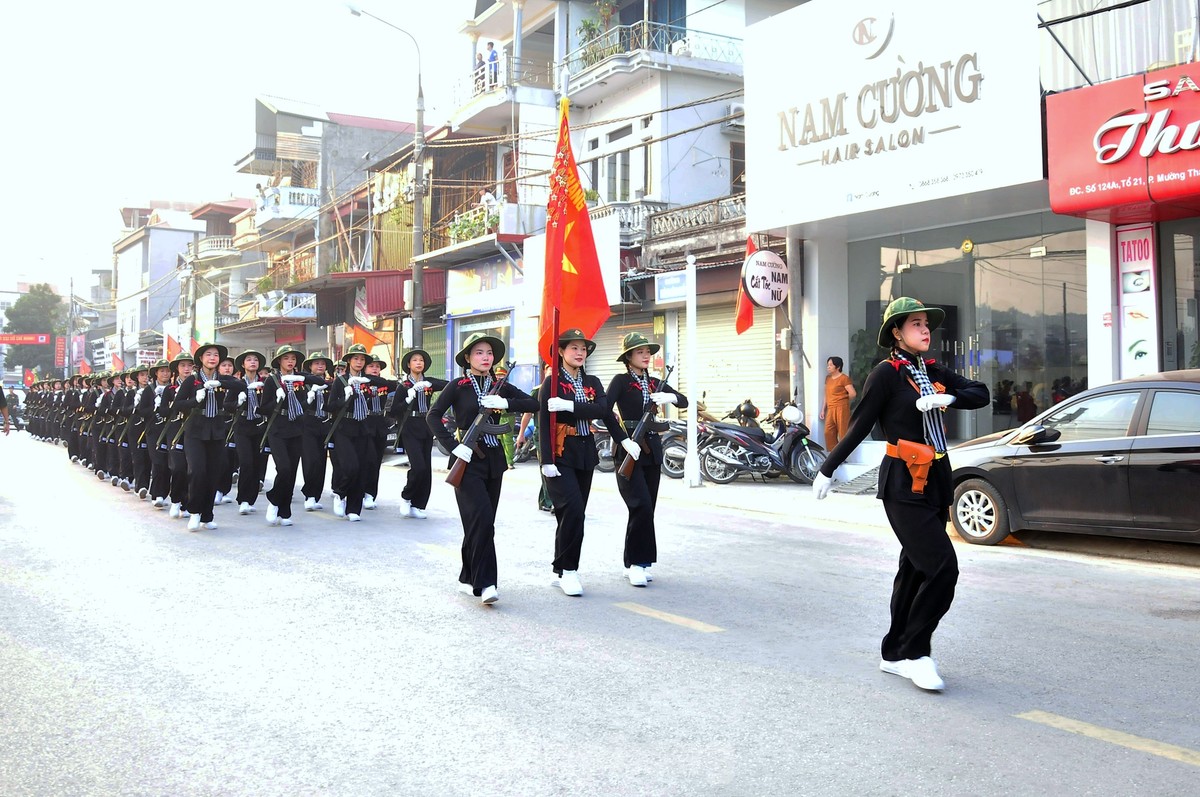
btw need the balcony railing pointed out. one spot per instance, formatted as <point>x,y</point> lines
<point>279,205</point>
<point>505,73</point>
<point>657,37</point>
<point>212,247</point>
<point>693,218</point>
<point>631,216</point>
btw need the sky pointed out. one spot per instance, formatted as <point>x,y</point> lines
<point>112,103</point>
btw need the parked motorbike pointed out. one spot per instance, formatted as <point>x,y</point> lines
<point>604,447</point>
<point>674,440</point>
<point>745,447</point>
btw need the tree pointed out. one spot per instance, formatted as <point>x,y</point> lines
<point>40,310</point>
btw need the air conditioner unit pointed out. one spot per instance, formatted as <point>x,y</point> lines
<point>681,47</point>
<point>739,122</point>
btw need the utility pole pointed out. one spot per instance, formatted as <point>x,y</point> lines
<point>418,244</point>
<point>70,329</point>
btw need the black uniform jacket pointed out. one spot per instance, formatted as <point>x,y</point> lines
<point>281,426</point>
<point>155,419</point>
<point>339,404</point>
<point>403,410</point>
<point>625,396</point>
<point>240,413</point>
<point>197,426</point>
<point>461,396</point>
<point>889,398</point>
<point>594,406</point>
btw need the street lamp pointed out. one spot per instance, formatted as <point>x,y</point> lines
<point>418,244</point>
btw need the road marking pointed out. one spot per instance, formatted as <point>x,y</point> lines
<point>447,552</point>
<point>667,617</point>
<point>1162,749</point>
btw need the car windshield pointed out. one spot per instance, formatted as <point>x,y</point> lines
<point>1094,417</point>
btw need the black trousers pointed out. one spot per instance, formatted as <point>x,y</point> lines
<point>418,445</point>
<point>73,441</point>
<point>925,581</point>
<point>177,461</point>
<point>315,454</point>
<point>141,465</point>
<point>350,461</point>
<point>205,459</point>
<point>225,474</point>
<point>640,492</point>
<point>285,451</point>
<point>376,444</point>
<point>478,497</point>
<point>569,492</point>
<point>160,474</point>
<point>252,464</point>
<point>125,460</point>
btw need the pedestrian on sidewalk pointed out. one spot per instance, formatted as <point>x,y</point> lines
<point>632,394</point>
<point>906,394</point>
<point>839,392</point>
<point>411,406</point>
<point>568,450</point>
<point>478,494</point>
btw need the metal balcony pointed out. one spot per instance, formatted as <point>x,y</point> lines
<point>633,218</point>
<point>212,247</point>
<point>283,204</point>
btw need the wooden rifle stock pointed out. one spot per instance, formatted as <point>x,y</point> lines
<point>639,433</point>
<point>459,468</point>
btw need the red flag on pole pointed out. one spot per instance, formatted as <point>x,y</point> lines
<point>118,364</point>
<point>573,280</point>
<point>29,378</point>
<point>173,348</point>
<point>84,367</point>
<point>744,314</point>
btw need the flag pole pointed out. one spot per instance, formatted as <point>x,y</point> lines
<point>555,363</point>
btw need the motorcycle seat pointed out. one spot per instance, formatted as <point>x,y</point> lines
<point>751,431</point>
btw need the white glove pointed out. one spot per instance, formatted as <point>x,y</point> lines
<point>349,392</point>
<point>462,452</point>
<point>494,403</point>
<point>289,378</point>
<point>319,388</point>
<point>279,394</point>
<point>663,398</point>
<point>631,448</point>
<point>926,403</point>
<point>212,383</point>
<point>822,485</point>
<point>241,399</point>
<point>557,404</point>
<point>312,396</point>
<point>254,386</point>
<point>412,394</point>
<point>359,380</point>
<point>422,385</point>
<point>158,389</point>
<point>157,401</point>
<point>201,394</point>
<point>98,400</point>
<point>550,471</point>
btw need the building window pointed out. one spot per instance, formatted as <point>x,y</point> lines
<point>737,167</point>
<point>620,133</point>
<point>617,167</point>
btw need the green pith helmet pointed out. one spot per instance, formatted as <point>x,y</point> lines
<point>318,356</point>
<point>285,350</point>
<point>222,351</point>
<point>480,337</point>
<point>900,309</point>
<point>635,340</point>
<point>159,363</point>
<point>407,359</point>
<point>182,357</point>
<point>239,362</point>
<point>575,333</point>
<point>375,358</point>
<point>138,369</point>
<point>357,348</point>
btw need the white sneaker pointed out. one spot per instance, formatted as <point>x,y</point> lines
<point>287,521</point>
<point>211,525</point>
<point>466,589</point>
<point>637,575</point>
<point>489,596</point>
<point>194,523</point>
<point>227,499</point>
<point>159,503</point>
<point>570,583</point>
<point>142,493</point>
<point>310,504</point>
<point>173,511</point>
<point>368,502</point>
<point>419,514</point>
<point>318,505</point>
<point>922,672</point>
<point>405,508</point>
<point>219,498</point>
<point>353,518</point>
<point>649,577</point>
<point>184,513</point>
<point>244,509</point>
<point>339,506</point>
<point>272,514</point>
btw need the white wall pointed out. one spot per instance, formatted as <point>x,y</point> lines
<point>1103,313</point>
<point>724,19</point>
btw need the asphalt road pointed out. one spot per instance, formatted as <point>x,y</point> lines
<point>338,658</point>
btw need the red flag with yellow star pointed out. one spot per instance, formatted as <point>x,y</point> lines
<point>573,281</point>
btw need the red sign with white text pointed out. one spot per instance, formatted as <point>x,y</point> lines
<point>24,338</point>
<point>1127,150</point>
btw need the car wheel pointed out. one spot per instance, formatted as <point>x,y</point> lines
<point>980,514</point>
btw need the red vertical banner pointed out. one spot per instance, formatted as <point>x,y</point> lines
<point>744,310</point>
<point>60,352</point>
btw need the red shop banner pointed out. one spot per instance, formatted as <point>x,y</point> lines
<point>1127,150</point>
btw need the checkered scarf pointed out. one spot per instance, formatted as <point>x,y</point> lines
<point>582,427</point>
<point>482,385</point>
<point>935,432</point>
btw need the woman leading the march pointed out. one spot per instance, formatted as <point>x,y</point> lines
<point>348,402</point>
<point>906,394</point>
<point>478,494</point>
<point>411,406</point>
<point>249,424</point>
<point>632,394</point>
<point>314,451</point>
<point>282,395</point>
<point>201,396</point>
<point>568,450</point>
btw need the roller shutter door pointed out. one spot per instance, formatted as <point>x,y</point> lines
<point>732,367</point>
<point>603,362</point>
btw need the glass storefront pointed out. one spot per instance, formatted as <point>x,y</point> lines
<point>1179,245</point>
<point>1014,291</point>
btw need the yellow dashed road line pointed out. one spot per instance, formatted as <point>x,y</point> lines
<point>1162,749</point>
<point>667,617</point>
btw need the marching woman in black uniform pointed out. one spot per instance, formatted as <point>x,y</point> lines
<point>172,440</point>
<point>282,394</point>
<point>314,452</point>
<point>249,424</point>
<point>906,394</point>
<point>478,495</point>
<point>376,428</point>
<point>410,407</point>
<point>202,396</point>
<point>233,387</point>
<point>348,401</point>
<point>631,394</point>
<point>153,412</point>
<point>568,450</point>
<point>138,431</point>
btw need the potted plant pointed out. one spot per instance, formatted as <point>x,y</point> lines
<point>592,197</point>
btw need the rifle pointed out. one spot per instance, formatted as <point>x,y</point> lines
<point>479,426</point>
<point>646,424</point>
<point>341,414</point>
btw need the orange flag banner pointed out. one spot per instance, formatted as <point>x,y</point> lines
<point>117,363</point>
<point>573,281</point>
<point>84,367</point>
<point>744,313</point>
<point>173,348</point>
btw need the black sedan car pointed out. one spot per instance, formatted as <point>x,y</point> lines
<point>1120,460</point>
